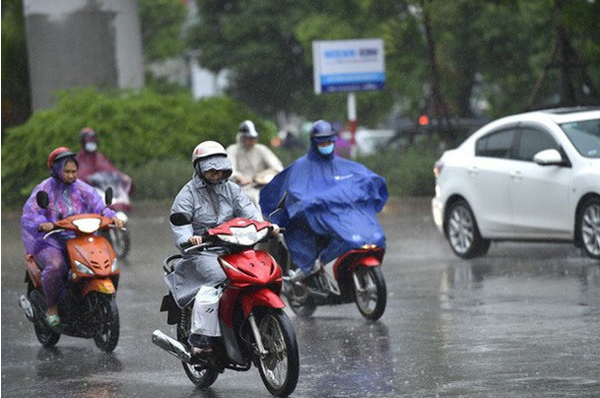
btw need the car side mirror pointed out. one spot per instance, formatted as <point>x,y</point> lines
<point>108,196</point>
<point>42,199</point>
<point>549,157</point>
<point>180,219</point>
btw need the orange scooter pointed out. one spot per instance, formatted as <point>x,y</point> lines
<point>90,310</point>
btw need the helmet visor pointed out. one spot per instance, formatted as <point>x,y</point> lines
<point>323,139</point>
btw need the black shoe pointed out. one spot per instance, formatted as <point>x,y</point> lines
<point>203,352</point>
<point>311,282</point>
<point>201,345</point>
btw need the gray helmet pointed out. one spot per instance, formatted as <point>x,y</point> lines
<point>206,149</point>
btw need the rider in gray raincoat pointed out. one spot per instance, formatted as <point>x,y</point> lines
<point>210,199</point>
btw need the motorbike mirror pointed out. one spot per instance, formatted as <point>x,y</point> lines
<point>42,199</point>
<point>281,203</point>
<point>180,219</point>
<point>108,196</point>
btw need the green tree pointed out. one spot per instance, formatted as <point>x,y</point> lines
<point>492,50</point>
<point>267,47</point>
<point>161,24</point>
<point>16,99</point>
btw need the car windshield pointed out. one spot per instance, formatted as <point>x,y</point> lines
<point>585,136</point>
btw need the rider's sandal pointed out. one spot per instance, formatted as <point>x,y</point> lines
<point>53,320</point>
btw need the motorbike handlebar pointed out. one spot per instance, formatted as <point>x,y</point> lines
<point>188,247</point>
<point>114,226</point>
<point>54,231</point>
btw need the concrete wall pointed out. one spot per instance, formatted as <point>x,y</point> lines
<point>81,43</point>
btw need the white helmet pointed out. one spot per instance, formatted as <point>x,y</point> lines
<point>247,129</point>
<point>206,149</point>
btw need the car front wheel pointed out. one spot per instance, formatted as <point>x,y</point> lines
<point>589,227</point>
<point>463,233</point>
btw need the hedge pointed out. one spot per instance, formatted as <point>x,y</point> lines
<point>135,129</point>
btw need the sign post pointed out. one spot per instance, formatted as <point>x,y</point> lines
<point>348,66</point>
<point>352,123</point>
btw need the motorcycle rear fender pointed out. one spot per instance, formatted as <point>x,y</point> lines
<point>102,285</point>
<point>33,271</point>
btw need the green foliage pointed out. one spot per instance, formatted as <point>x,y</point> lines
<point>408,172</point>
<point>161,179</point>
<point>493,51</point>
<point>161,25</point>
<point>16,101</point>
<point>267,48</point>
<point>133,128</point>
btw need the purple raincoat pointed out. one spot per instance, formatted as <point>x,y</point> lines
<point>65,200</point>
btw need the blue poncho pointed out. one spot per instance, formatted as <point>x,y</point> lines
<point>330,207</point>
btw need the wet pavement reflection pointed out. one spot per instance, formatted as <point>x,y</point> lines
<point>523,321</point>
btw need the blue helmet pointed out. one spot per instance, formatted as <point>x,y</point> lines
<point>321,130</point>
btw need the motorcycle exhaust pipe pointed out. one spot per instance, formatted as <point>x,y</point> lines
<point>171,346</point>
<point>27,308</point>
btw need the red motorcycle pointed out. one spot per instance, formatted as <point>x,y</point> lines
<point>91,308</point>
<point>353,277</point>
<point>254,327</point>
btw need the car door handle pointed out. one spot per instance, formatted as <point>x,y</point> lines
<point>516,176</point>
<point>473,170</point>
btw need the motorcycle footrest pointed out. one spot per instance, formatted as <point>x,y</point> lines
<point>319,294</point>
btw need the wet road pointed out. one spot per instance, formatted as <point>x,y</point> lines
<point>522,322</point>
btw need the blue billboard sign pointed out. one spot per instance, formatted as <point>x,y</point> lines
<point>348,65</point>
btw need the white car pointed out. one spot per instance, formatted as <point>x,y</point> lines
<point>533,176</point>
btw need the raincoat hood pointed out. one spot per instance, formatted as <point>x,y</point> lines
<point>213,163</point>
<point>57,168</point>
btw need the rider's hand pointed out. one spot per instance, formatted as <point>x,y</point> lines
<point>243,180</point>
<point>195,240</point>
<point>45,227</point>
<point>118,222</point>
<point>276,229</point>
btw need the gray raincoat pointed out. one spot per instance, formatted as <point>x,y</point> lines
<point>210,205</point>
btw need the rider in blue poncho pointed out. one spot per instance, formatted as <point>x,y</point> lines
<point>330,205</point>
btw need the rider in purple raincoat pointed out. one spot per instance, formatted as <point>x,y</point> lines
<point>330,206</point>
<point>68,196</point>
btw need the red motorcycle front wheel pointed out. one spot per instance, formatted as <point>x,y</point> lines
<point>370,292</point>
<point>280,366</point>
